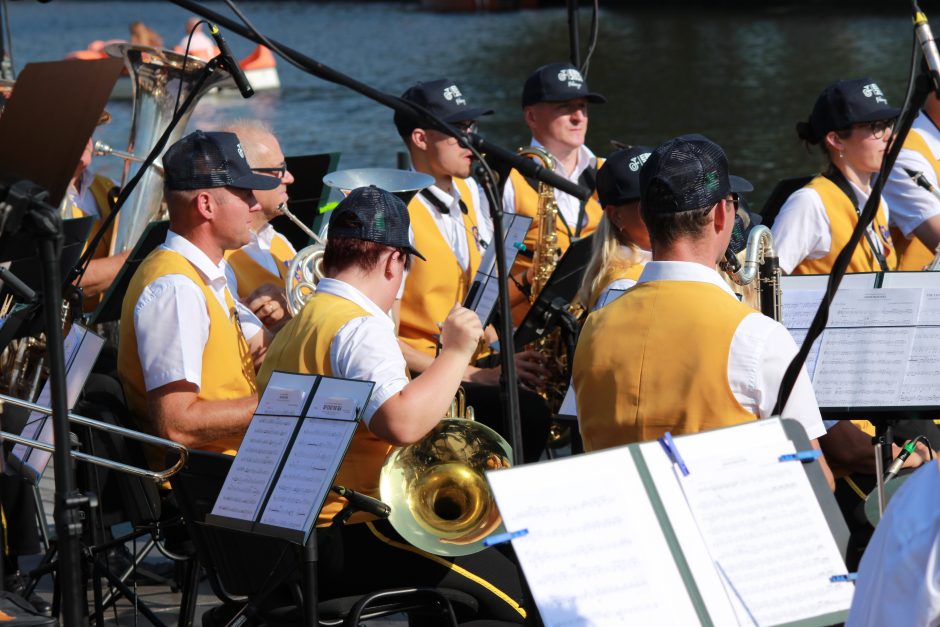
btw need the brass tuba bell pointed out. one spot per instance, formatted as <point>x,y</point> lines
<point>440,499</point>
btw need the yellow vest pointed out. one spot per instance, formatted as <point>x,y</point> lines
<point>842,221</point>
<point>303,345</point>
<point>912,253</point>
<point>435,285</point>
<point>227,369</point>
<point>645,366</point>
<point>613,273</point>
<point>101,187</point>
<point>527,203</point>
<point>250,274</point>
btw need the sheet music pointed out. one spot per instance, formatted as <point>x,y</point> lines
<point>759,519</point>
<point>339,399</point>
<point>875,308</point>
<point>799,307</point>
<point>81,348</point>
<point>862,367</point>
<point>484,291</point>
<point>919,386</point>
<point>926,280</point>
<point>569,406</point>
<point>595,553</point>
<point>930,307</point>
<point>308,473</point>
<point>799,336</point>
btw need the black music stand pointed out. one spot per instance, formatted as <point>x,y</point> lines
<point>778,196</point>
<point>558,292</point>
<point>109,309</point>
<point>306,195</point>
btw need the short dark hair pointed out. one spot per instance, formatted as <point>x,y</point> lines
<point>344,252</point>
<point>666,228</point>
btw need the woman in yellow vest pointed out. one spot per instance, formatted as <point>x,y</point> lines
<point>852,122</point>
<point>621,243</point>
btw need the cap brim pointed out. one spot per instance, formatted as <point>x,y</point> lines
<point>592,97</point>
<point>468,114</point>
<point>739,184</point>
<point>888,113</point>
<point>261,182</point>
<point>414,251</point>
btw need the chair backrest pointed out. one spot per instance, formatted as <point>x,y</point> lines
<point>237,563</point>
<point>779,195</point>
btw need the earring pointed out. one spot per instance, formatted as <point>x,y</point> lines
<point>841,155</point>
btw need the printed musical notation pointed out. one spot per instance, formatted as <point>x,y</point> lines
<point>862,367</point>
<point>484,291</point>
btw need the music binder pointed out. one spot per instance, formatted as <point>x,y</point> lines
<point>290,454</point>
<point>654,546</point>
<point>484,291</point>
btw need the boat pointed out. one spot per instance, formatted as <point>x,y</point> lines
<point>260,69</point>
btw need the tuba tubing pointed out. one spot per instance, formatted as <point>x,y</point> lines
<point>156,476</point>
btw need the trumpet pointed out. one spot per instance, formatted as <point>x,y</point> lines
<point>157,476</point>
<point>103,149</point>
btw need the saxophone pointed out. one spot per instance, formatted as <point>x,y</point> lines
<point>544,259</point>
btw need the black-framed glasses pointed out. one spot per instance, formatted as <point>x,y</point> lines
<point>734,199</point>
<point>278,171</point>
<point>878,128</point>
<point>467,126</point>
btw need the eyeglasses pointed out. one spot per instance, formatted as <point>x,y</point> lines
<point>278,171</point>
<point>734,199</point>
<point>878,129</point>
<point>467,126</point>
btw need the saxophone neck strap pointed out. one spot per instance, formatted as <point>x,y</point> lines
<point>838,179</point>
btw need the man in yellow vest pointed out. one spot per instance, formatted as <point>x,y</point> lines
<point>344,331</point>
<point>915,212</point>
<point>678,352</point>
<point>450,222</point>
<point>260,266</point>
<point>188,349</point>
<point>555,108</point>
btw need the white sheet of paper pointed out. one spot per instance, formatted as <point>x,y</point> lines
<point>594,553</point>
<point>308,473</point>
<point>799,307</point>
<point>339,399</point>
<point>920,383</point>
<point>862,367</point>
<point>81,348</point>
<point>927,280</point>
<point>762,523</point>
<point>569,405</point>
<point>855,281</point>
<point>515,228</point>
<point>799,336</point>
<point>930,307</point>
<point>285,394</point>
<point>875,308</point>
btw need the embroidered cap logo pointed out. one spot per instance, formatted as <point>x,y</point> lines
<point>637,162</point>
<point>872,89</point>
<point>572,76</point>
<point>452,93</point>
<point>241,153</point>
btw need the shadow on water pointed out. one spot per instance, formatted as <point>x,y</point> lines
<point>742,77</point>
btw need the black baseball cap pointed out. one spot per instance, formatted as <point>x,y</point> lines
<point>441,97</point>
<point>557,82</point>
<point>373,215</point>
<point>618,180</point>
<point>205,160</point>
<point>686,173</point>
<point>849,102</point>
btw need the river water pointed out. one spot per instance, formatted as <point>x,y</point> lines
<point>744,78</point>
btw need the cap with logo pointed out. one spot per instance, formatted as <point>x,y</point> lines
<point>687,173</point>
<point>557,82</point>
<point>205,160</point>
<point>849,102</point>
<point>373,215</point>
<point>441,97</point>
<point>618,180</point>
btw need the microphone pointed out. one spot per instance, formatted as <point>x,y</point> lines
<point>363,503</point>
<point>895,466</point>
<point>929,47</point>
<point>229,63</point>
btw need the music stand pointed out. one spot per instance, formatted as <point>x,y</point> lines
<point>306,195</point>
<point>563,284</point>
<point>109,308</point>
<point>778,196</point>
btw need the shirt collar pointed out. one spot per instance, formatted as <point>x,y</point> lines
<point>347,291</point>
<point>586,159</point>
<point>683,271</point>
<point>194,255</point>
<point>264,236</point>
<point>452,200</point>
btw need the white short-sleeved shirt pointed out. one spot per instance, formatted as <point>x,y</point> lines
<point>451,225</point>
<point>911,204</point>
<point>171,321</point>
<point>899,577</point>
<point>568,206</point>
<point>802,230</point>
<point>83,198</point>
<point>366,348</point>
<point>761,350</point>
<point>259,248</point>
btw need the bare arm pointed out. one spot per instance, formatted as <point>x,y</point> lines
<point>529,367</point>
<point>824,466</point>
<point>849,447</point>
<point>409,415</point>
<point>101,273</point>
<point>929,232</point>
<point>179,415</point>
<point>258,345</point>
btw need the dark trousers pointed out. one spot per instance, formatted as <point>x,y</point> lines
<point>360,558</point>
<point>485,400</point>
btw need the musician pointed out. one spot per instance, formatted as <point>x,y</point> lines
<point>898,579</point>
<point>260,267</point>
<point>555,108</point>
<point>915,212</point>
<point>679,352</point>
<point>90,194</point>
<point>621,243</point>
<point>852,121</point>
<point>344,331</point>
<point>188,348</point>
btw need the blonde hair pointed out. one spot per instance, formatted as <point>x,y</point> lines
<point>611,249</point>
